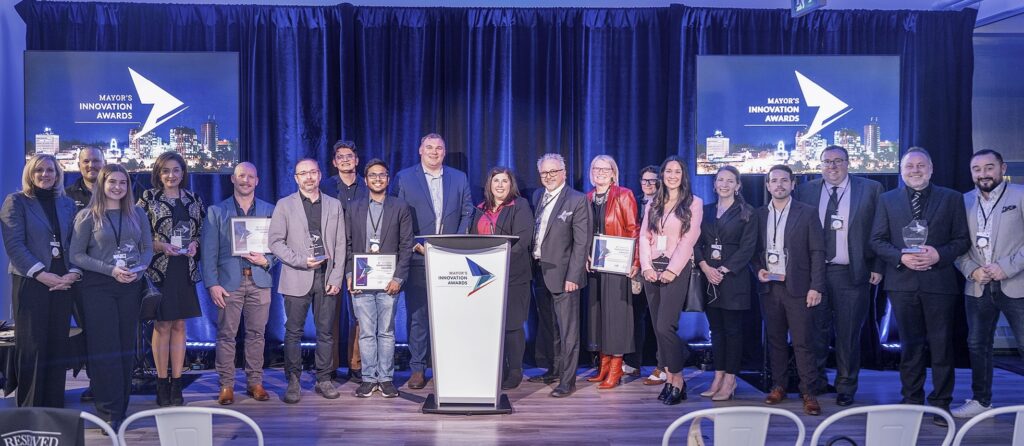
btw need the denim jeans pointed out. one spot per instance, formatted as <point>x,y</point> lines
<point>982,316</point>
<point>376,315</point>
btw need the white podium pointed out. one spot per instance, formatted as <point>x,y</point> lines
<point>467,283</point>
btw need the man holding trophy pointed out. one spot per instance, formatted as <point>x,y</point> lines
<point>920,229</point>
<point>790,264</point>
<point>307,233</point>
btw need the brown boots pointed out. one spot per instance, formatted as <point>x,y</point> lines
<point>614,375</point>
<point>602,372</point>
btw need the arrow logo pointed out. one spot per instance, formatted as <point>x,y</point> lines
<point>830,108</point>
<point>165,106</point>
<point>483,276</point>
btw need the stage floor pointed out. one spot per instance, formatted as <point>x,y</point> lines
<point>629,414</point>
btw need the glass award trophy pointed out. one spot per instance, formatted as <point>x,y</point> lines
<point>776,261</point>
<point>317,251</point>
<point>914,235</point>
<point>127,256</point>
<point>181,236</point>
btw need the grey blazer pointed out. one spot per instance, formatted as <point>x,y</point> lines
<point>27,234</point>
<point>218,265</point>
<point>1007,242</point>
<point>289,239</point>
<point>566,240</point>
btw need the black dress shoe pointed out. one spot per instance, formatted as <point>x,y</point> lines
<point>563,391</point>
<point>665,392</point>
<point>547,378</point>
<point>355,376</point>
<point>676,396</point>
<point>512,380</point>
<point>939,421</point>
<point>844,399</point>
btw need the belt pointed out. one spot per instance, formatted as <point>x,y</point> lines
<point>247,272</point>
<point>836,266</point>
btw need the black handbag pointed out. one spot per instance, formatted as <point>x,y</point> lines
<point>695,291</point>
<point>149,308</point>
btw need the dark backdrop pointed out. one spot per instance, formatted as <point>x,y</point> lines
<point>506,85</point>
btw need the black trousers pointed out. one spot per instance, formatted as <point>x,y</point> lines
<point>112,315</point>
<point>843,309</point>
<point>544,342</point>
<point>726,338</point>
<point>42,322</point>
<point>925,319</point>
<point>296,308</point>
<point>785,316</point>
<point>640,317</point>
<point>665,301</point>
<point>516,310</point>
<point>563,325</point>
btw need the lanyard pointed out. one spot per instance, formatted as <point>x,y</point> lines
<point>982,207</point>
<point>117,232</point>
<point>838,199</point>
<point>775,228</point>
<point>376,224</point>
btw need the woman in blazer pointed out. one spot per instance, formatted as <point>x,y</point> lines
<point>37,230</point>
<point>113,244</point>
<point>668,233</point>
<point>175,216</point>
<point>728,238</point>
<point>609,299</point>
<point>505,212</point>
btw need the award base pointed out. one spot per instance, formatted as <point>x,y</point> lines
<point>913,250</point>
<point>137,269</point>
<point>431,406</point>
<point>776,277</point>
<point>318,258</point>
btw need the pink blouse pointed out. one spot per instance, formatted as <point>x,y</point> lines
<point>678,249</point>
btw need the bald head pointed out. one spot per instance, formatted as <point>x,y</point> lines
<point>90,161</point>
<point>245,179</point>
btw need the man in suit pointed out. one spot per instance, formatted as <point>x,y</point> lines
<point>561,246</point>
<point>441,204</point>
<point>346,186</point>
<point>995,215</point>
<point>307,234</point>
<point>922,285</point>
<point>238,284</point>
<point>790,264</point>
<point>378,224</point>
<point>846,210</point>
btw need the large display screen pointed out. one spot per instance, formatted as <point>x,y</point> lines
<point>133,106</point>
<point>757,111</point>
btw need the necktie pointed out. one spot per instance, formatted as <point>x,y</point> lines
<point>915,204</point>
<point>830,233</point>
<point>540,216</point>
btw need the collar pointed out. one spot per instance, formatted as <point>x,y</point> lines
<point>842,186</point>
<point>994,195</point>
<point>556,191</point>
<point>429,175</point>
<point>310,200</point>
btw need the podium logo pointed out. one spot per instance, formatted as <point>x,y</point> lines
<point>830,108</point>
<point>483,277</point>
<point>165,106</point>
<point>28,437</point>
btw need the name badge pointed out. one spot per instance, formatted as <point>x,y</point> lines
<point>838,223</point>
<point>120,259</point>
<point>55,248</point>
<point>374,245</point>
<point>661,243</point>
<point>774,257</point>
<point>981,239</point>
<point>716,252</point>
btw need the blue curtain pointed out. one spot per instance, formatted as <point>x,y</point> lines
<point>506,85</point>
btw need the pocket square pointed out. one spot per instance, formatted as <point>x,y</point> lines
<point>564,215</point>
<point>1009,208</point>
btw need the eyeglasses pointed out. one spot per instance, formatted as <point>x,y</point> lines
<point>833,163</point>
<point>308,173</point>
<point>345,157</point>
<point>651,181</point>
<point>601,170</point>
<point>551,173</point>
<point>377,176</point>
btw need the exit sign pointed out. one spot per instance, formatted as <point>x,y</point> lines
<point>801,7</point>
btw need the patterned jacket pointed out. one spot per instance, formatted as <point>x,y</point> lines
<point>158,209</point>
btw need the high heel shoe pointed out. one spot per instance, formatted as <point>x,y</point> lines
<point>723,395</point>
<point>602,372</point>
<point>676,396</point>
<point>665,392</point>
<point>713,389</point>
<point>614,377</point>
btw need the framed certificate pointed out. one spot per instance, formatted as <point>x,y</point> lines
<point>610,254</point>
<point>250,234</point>
<point>373,271</point>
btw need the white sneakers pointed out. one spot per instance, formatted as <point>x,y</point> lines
<point>627,369</point>
<point>969,409</point>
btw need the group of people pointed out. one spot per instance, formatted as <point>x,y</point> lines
<point>812,252</point>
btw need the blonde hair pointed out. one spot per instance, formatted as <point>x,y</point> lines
<point>31,165</point>
<point>611,162</point>
<point>98,203</point>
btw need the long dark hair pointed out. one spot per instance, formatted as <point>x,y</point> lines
<point>682,210</point>
<point>746,210</point>
<point>513,190</point>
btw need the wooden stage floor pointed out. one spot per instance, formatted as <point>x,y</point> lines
<point>629,414</point>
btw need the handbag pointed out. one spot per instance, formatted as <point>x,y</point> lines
<point>149,308</point>
<point>694,302</point>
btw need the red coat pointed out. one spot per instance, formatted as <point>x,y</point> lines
<point>620,216</point>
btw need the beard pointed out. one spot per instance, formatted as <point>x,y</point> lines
<point>994,183</point>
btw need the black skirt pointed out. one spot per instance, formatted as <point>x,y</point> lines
<point>180,300</point>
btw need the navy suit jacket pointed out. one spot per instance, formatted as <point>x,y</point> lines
<point>411,186</point>
<point>947,233</point>
<point>396,235</point>
<point>864,195</point>
<point>805,249</point>
<point>219,266</point>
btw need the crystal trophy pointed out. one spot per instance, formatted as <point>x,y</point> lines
<point>317,251</point>
<point>181,236</point>
<point>914,235</point>
<point>776,259</point>
<point>127,257</point>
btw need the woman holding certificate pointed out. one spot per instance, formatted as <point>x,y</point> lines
<point>504,212</point>
<point>669,231</point>
<point>613,261</point>
<point>728,238</point>
<point>176,216</point>
<point>113,244</point>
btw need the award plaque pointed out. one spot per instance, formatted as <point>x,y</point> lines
<point>372,271</point>
<point>914,235</point>
<point>250,234</point>
<point>611,254</point>
<point>317,251</point>
<point>776,261</point>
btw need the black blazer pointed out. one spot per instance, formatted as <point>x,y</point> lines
<point>805,245</point>
<point>566,241</point>
<point>864,195</point>
<point>396,232</point>
<point>738,240</point>
<point>515,219</point>
<point>947,233</point>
